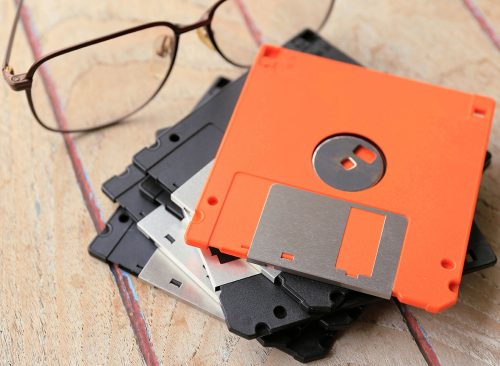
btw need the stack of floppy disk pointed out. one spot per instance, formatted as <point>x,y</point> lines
<point>295,196</point>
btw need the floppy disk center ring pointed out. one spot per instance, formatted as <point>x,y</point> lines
<point>348,163</point>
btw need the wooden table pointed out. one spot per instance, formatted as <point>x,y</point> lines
<point>59,305</point>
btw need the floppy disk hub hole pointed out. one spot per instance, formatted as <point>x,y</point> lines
<point>123,218</point>
<point>447,264</point>
<point>279,312</point>
<point>348,163</point>
<point>212,201</point>
<point>365,154</point>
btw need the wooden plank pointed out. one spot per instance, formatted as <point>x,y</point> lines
<point>59,305</point>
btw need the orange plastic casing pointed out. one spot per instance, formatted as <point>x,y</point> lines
<point>434,141</point>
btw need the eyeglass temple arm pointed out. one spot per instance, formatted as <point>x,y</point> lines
<point>12,36</point>
<point>16,82</point>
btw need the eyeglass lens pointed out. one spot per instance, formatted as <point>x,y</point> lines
<point>108,81</point>
<point>104,82</point>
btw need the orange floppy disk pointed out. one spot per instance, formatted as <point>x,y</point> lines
<point>348,176</point>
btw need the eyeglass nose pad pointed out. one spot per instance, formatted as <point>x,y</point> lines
<point>164,46</point>
<point>204,38</point>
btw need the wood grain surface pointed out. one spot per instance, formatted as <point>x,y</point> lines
<point>60,306</point>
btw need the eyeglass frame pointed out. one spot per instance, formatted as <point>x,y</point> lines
<point>23,81</point>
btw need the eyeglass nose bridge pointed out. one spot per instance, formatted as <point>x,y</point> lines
<point>203,36</point>
<point>201,27</point>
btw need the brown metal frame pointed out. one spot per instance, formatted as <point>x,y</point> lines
<point>23,81</point>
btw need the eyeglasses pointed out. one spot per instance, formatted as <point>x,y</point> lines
<point>101,82</point>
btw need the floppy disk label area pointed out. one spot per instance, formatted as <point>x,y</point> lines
<point>167,232</point>
<point>122,243</point>
<point>221,268</point>
<point>164,274</point>
<point>417,150</point>
<point>349,244</point>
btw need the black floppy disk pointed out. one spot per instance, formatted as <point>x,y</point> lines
<point>122,243</point>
